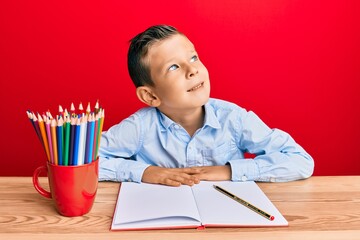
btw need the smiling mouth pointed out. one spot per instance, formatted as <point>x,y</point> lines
<point>196,87</point>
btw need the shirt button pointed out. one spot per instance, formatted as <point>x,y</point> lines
<point>244,178</point>
<point>177,126</point>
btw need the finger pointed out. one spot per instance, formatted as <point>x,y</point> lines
<point>192,170</point>
<point>183,178</point>
<point>171,183</point>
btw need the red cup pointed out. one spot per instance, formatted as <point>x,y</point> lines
<point>72,188</point>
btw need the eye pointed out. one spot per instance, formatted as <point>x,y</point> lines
<point>173,67</point>
<point>194,58</point>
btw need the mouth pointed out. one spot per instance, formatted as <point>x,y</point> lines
<point>196,87</point>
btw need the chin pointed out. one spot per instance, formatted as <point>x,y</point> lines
<point>203,100</point>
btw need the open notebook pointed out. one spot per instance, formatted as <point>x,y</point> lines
<point>150,206</point>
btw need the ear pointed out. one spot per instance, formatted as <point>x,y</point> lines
<point>147,96</point>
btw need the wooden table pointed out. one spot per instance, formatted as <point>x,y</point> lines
<point>316,208</point>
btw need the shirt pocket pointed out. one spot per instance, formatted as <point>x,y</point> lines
<point>218,155</point>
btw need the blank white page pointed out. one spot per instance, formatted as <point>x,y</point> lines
<point>142,205</point>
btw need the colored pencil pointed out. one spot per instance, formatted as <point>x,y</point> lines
<point>37,128</point>
<point>72,110</point>
<point>54,141</point>
<point>98,135</point>
<point>34,123</point>
<point>87,142</point>
<point>60,140</point>
<point>76,142</point>
<point>72,138</point>
<point>82,140</point>
<point>48,134</point>
<point>88,110</point>
<point>29,114</point>
<point>95,136</point>
<point>48,114</point>
<point>89,138</point>
<point>66,113</point>
<point>61,111</point>
<point>96,107</point>
<point>69,139</point>
<point>44,137</point>
<point>101,123</point>
<point>66,140</point>
<point>81,109</point>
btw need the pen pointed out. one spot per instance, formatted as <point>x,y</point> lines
<point>245,203</point>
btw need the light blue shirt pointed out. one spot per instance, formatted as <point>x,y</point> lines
<point>148,137</point>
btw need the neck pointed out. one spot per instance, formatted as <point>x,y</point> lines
<point>191,121</point>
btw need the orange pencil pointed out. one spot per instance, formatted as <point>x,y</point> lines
<point>49,139</point>
<point>43,134</point>
<point>54,140</point>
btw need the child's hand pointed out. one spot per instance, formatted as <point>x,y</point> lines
<point>171,176</point>
<point>213,173</point>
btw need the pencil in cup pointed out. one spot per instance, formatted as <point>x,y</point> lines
<point>69,140</point>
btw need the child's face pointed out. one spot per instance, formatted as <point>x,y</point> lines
<point>181,80</point>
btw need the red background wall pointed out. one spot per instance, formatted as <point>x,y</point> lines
<point>296,63</point>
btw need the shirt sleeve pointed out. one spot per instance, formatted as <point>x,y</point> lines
<point>118,146</point>
<point>278,157</point>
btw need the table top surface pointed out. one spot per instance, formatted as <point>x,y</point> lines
<point>316,208</point>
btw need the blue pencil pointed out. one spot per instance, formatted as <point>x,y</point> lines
<point>90,139</point>
<point>72,138</point>
<point>60,140</point>
<point>76,142</point>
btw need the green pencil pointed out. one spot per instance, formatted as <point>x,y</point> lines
<point>67,137</point>
<point>97,137</point>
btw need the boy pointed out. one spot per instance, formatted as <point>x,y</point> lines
<point>184,136</point>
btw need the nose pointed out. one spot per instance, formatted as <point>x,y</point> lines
<point>192,71</point>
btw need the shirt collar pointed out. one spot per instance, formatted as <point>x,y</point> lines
<point>210,118</point>
<point>164,120</point>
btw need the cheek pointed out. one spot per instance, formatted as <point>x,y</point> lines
<point>171,89</point>
<point>203,71</point>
